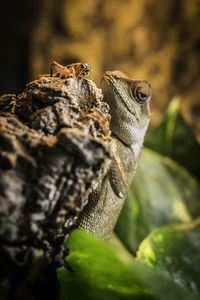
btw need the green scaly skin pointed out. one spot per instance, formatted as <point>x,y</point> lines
<point>129,109</point>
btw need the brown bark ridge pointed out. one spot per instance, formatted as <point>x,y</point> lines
<point>54,142</point>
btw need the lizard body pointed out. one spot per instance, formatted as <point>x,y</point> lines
<point>129,109</point>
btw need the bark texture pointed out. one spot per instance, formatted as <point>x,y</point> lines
<point>54,141</point>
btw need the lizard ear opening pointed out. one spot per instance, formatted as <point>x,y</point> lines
<point>140,91</point>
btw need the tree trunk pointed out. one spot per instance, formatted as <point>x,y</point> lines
<point>54,141</point>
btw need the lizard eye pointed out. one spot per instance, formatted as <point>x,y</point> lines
<point>141,96</point>
<point>140,93</point>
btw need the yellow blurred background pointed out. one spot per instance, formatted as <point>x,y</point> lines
<point>155,40</point>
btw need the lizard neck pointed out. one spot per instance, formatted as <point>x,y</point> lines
<point>135,147</point>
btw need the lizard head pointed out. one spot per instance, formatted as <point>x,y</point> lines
<point>129,106</point>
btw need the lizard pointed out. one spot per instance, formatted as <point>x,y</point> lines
<point>129,109</point>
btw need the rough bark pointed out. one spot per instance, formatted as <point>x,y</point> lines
<point>54,141</point>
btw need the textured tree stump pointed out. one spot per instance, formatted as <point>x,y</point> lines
<point>54,141</point>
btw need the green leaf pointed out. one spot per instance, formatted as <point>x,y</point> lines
<point>162,192</point>
<point>100,272</point>
<point>175,249</point>
<point>174,138</point>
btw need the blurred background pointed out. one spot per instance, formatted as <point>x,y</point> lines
<point>148,39</point>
